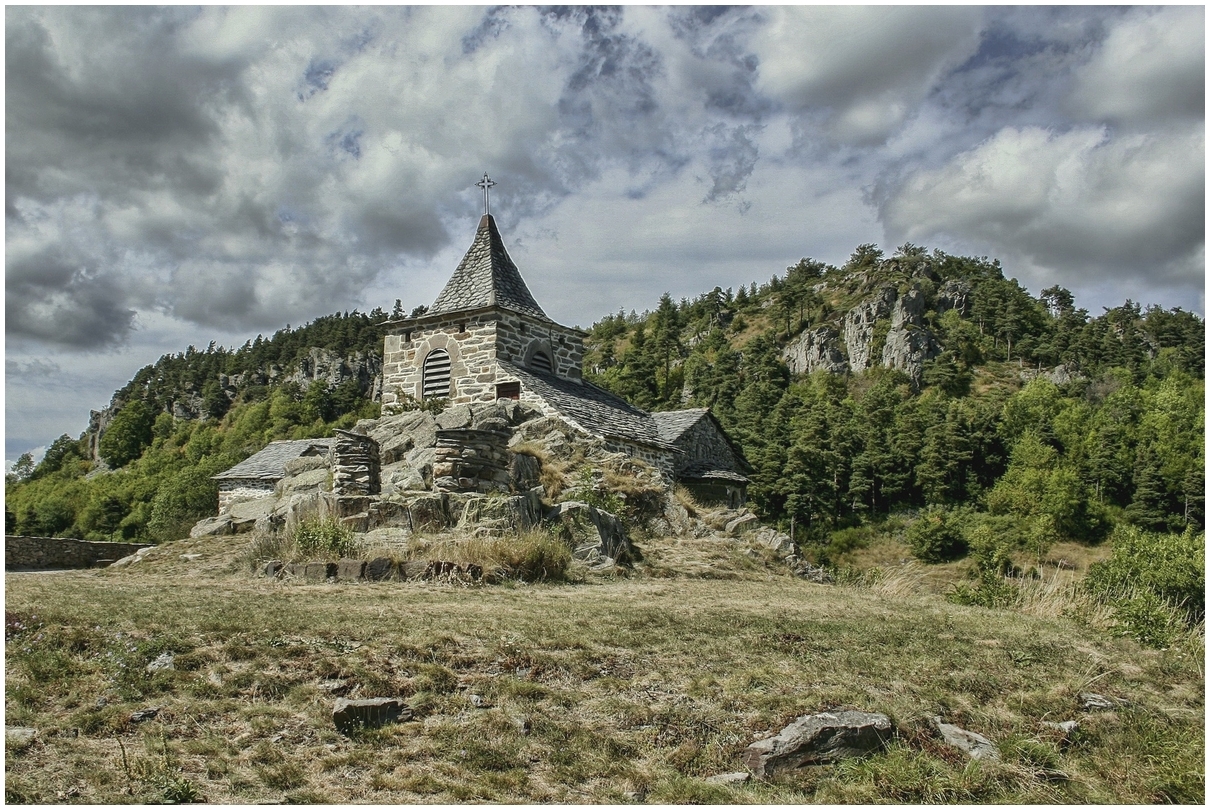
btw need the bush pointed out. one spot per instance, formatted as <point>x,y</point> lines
<point>326,539</point>
<point>1170,567</point>
<point>936,536</point>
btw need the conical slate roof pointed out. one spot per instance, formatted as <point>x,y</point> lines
<point>487,277</point>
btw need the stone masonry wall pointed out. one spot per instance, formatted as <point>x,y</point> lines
<point>62,552</point>
<point>474,343</point>
<point>355,466</point>
<point>664,461</point>
<point>231,490</point>
<point>469,460</point>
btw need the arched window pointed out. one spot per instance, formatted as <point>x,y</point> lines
<point>437,374</point>
<point>541,362</point>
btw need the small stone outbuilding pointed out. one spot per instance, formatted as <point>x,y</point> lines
<point>709,464</point>
<point>257,475</point>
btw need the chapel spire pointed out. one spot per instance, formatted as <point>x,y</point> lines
<point>487,277</point>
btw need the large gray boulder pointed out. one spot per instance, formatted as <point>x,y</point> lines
<point>596,536</point>
<point>817,739</point>
<point>215,526</point>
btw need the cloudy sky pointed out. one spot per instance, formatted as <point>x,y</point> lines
<point>182,175</point>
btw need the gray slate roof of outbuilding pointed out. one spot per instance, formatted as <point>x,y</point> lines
<point>270,463</point>
<point>593,408</point>
<point>487,277</point>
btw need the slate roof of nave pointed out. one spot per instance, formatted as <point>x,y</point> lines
<point>594,409</point>
<point>270,463</point>
<point>673,424</point>
<point>487,277</point>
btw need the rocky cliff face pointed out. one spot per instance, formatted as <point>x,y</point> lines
<point>909,343</point>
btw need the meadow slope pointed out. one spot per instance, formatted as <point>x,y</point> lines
<point>605,690</point>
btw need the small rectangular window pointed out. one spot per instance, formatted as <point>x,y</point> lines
<point>508,390</point>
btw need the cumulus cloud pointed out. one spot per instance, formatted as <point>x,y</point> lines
<point>865,68</point>
<point>1079,199</point>
<point>1151,66</point>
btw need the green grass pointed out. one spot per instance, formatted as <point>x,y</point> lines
<point>603,691</point>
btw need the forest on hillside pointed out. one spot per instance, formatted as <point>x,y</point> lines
<point>988,427</point>
<point>1117,436</point>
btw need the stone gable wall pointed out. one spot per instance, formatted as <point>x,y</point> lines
<point>62,552</point>
<point>704,442</point>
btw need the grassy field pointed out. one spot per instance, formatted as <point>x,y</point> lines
<point>622,689</point>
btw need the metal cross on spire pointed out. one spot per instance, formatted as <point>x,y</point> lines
<point>485,184</point>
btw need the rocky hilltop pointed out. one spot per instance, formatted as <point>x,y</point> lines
<point>487,470</point>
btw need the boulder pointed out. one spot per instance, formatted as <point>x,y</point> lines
<point>976,746</point>
<point>305,481</point>
<point>216,526</point>
<point>402,477</point>
<point>742,524</point>
<point>774,540</point>
<point>273,568</point>
<point>19,736</point>
<point>816,739</point>
<point>508,514</point>
<point>350,570</point>
<point>353,715</point>
<point>455,418</point>
<point>251,514</point>
<point>379,569</point>
<point>524,472</point>
<point>594,534</point>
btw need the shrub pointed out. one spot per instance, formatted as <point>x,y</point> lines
<point>324,538</point>
<point>936,536</point>
<point>1169,567</point>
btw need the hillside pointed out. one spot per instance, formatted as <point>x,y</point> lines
<point>920,381</point>
<point>930,380</point>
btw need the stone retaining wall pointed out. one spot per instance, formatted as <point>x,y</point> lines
<point>31,553</point>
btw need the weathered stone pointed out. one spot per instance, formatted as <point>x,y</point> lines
<point>738,778</point>
<point>1066,727</point>
<point>305,481</point>
<point>822,738</point>
<point>212,527</point>
<point>318,571</point>
<point>815,350</point>
<point>353,715</point>
<point>592,533</point>
<point>976,746</point>
<point>350,570</point>
<point>162,662</point>
<point>1092,702</point>
<point>455,418</point>
<point>413,569</point>
<point>774,540</point>
<point>191,557</point>
<point>19,736</point>
<point>742,524</point>
<point>143,715</point>
<point>379,569</point>
<point>272,568</point>
<point>244,515</point>
<point>858,326</point>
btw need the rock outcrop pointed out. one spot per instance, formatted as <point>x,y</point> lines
<point>859,323</point>
<point>815,350</point>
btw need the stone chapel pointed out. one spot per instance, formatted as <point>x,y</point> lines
<point>486,338</point>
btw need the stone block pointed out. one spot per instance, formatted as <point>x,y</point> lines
<point>350,716</point>
<point>350,570</point>
<point>413,569</point>
<point>273,568</point>
<point>380,569</point>
<point>318,571</point>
